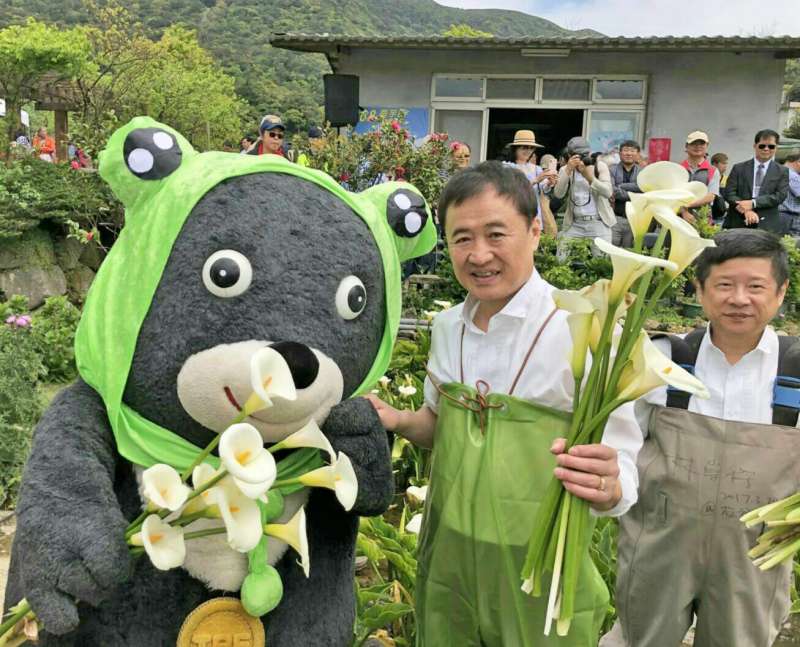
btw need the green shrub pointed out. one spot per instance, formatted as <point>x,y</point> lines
<point>20,404</point>
<point>32,191</point>
<point>53,330</point>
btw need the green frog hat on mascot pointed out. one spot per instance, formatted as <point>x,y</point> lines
<point>160,178</point>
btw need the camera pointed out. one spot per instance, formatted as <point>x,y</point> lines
<point>579,146</point>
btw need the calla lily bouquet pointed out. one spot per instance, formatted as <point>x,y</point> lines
<point>605,322</point>
<point>780,541</point>
<point>245,493</point>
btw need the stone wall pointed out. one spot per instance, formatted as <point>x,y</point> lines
<point>39,265</point>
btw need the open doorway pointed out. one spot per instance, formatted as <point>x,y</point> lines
<point>553,128</point>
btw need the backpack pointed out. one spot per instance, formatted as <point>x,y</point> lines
<point>785,392</point>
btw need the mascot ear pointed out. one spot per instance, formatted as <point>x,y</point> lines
<point>407,217</point>
<point>139,155</point>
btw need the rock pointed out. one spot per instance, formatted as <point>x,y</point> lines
<point>36,283</point>
<point>78,281</point>
<point>33,249</point>
<point>92,256</point>
<point>68,251</point>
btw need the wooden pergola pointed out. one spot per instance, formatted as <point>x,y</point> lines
<point>60,96</point>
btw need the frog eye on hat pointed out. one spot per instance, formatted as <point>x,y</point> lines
<point>406,213</point>
<point>151,153</point>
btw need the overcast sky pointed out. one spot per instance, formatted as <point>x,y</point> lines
<point>659,17</point>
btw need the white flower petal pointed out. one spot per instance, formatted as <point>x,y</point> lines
<point>163,544</point>
<point>417,493</point>
<point>415,524</point>
<point>628,266</point>
<point>270,377</point>
<point>662,175</point>
<point>242,452</point>
<point>162,486</point>
<point>294,534</point>
<point>310,435</point>
<point>241,516</point>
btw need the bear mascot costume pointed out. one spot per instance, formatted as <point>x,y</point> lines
<point>221,255</point>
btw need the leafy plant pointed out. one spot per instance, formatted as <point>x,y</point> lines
<point>20,404</point>
<point>32,191</point>
<point>53,331</point>
<point>389,603</point>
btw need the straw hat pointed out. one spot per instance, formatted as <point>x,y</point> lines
<point>525,138</point>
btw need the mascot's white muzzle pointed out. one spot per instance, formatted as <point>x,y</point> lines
<point>214,384</point>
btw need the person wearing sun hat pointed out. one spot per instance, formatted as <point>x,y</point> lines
<point>523,156</point>
<point>270,142</point>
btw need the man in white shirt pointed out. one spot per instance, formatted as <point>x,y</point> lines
<point>496,408</point>
<point>682,550</point>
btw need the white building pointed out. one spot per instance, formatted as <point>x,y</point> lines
<point>653,90</point>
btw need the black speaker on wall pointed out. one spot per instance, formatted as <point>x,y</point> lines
<point>341,99</point>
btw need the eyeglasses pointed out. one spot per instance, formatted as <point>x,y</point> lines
<point>772,147</point>
<point>275,135</point>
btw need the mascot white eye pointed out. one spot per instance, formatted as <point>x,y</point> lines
<point>351,297</point>
<point>227,273</point>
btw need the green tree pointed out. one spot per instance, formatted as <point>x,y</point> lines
<point>791,90</point>
<point>27,53</point>
<point>465,31</point>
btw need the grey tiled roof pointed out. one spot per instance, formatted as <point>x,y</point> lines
<point>327,42</point>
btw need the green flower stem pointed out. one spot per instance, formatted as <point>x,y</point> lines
<point>204,533</point>
<point>546,519</point>
<point>136,525</point>
<point>190,518</point>
<point>578,513</point>
<point>20,611</point>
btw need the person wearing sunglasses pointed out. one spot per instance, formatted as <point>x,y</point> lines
<point>271,140</point>
<point>756,188</point>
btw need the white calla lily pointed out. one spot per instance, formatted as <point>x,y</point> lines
<point>581,321</point>
<point>685,243</point>
<point>270,377</point>
<point>241,450</point>
<point>310,435</point>
<point>697,189</point>
<point>407,391</point>
<point>339,477</point>
<point>163,488</point>
<point>163,543</point>
<point>662,175</point>
<point>240,514</point>
<point>628,266</point>
<point>294,534</point>
<point>414,524</point>
<point>417,494</point>
<point>639,217</point>
<point>648,368</point>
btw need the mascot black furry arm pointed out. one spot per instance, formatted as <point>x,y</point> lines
<point>221,255</point>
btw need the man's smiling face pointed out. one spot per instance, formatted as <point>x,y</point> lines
<point>491,245</point>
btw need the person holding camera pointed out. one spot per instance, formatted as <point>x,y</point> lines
<point>585,183</point>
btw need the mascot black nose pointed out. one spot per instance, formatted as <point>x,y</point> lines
<point>302,362</point>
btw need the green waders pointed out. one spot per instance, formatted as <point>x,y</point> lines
<point>682,548</point>
<point>491,464</point>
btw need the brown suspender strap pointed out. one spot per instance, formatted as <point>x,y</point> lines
<point>524,361</point>
<point>530,351</point>
<point>479,404</point>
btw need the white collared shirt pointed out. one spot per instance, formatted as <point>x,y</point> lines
<point>755,172</point>
<point>496,355</point>
<point>741,392</point>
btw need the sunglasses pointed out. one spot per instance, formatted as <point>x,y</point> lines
<point>772,147</point>
<point>275,135</point>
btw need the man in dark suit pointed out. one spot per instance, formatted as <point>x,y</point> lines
<point>756,188</point>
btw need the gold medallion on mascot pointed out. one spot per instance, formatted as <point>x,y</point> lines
<point>221,622</point>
